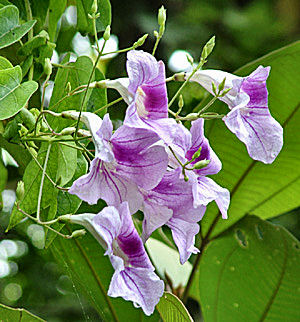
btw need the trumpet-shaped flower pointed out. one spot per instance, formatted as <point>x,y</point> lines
<point>249,119</point>
<point>146,94</point>
<point>129,158</point>
<point>134,278</point>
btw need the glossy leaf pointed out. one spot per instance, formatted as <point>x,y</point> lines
<point>8,314</point>
<point>20,154</point>
<point>10,29</point>
<point>84,23</point>
<point>98,97</point>
<point>77,74</point>
<point>32,180</point>
<point>166,260</point>
<point>13,94</point>
<point>91,272</point>
<point>56,9</point>
<point>172,309</point>
<point>251,273</point>
<point>256,188</point>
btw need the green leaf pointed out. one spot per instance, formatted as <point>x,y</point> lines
<point>13,94</point>
<point>66,162</point>
<point>56,9</point>
<point>20,154</point>
<point>166,260</point>
<point>61,167</point>
<point>98,96</point>
<point>4,3</point>
<point>251,273</point>
<point>4,63</point>
<point>256,188</point>
<point>3,179</point>
<point>91,272</point>
<point>8,314</point>
<point>10,30</point>
<point>84,23</point>
<point>77,74</point>
<point>172,309</point>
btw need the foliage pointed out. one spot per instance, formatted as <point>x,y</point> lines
<point>244,257</point>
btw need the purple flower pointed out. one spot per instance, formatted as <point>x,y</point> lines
<point>171,203</point>
<point>180,204</point>
<point>249,119</point>
<point>129,158</point>
<point>134,278</point>
<point>145,92</point>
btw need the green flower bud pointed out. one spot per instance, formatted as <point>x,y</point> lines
<point>20,191</point>
<point>78,233</point>
<point>68,131</point>
<point>106,34</point>
<point>201,164</point>
<point>190,59</point>
<point>196,154</point>
<point>140,41</point>
<point>156,35</point>
<point>222,85</point>
<point>162,16</point>
<point>208,48</point>
<point>47,67</point>
<point>214,88</point>
<point>180,102</point>
<point>22,129</point>
<point>94,7</point>
<point>68,87</point>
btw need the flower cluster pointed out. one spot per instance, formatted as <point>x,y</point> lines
<point>154,164</point>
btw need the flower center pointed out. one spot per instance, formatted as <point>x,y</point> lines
<point>140,103</point>
<point>119,252</point>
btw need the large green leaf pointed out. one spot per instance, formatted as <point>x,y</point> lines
<point>98,96</point>
<point>10,29</point>
<point>13,94</point>
<point>77,74</point>
<point>171,309</point>
<point>9,314</point>
<point>91,272</point>
<point>84,23</point>
<point>32,180</point>
<point>20,154</point>
<point>251,273</point>
<point>56,9</point>
<point>256,188</point>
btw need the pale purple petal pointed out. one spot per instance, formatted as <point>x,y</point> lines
<point>142,68</point>
<point>198,140</point>
<point>184,233</point>
<point>102,183</point>
<point>137,161</point>
<point>206,190</point>
<point>261,133</point>
<point>254,125</point>
<point>141,286</point>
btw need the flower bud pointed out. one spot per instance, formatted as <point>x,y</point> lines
<point>201,164</point>
<point>190,59</point>
<point>196,155</point>
<point>106,34</point>
<point>180,102</point>
<point>68,87</point>
<point>208,48</point>
<point>78,233</point>
<point>68,131</point>
<point>222,85</point>
<point>94,7</point>
<point>155,34</point>
<point>162,16</point>
<point>47,67</point>
<point>214,88</point>
<point>140,41</point>
<point>20,190</point>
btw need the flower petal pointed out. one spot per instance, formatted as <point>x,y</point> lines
<point>137,158</point>
<point>141,286</point>
<point>261,133</point>
<point>206,190</point>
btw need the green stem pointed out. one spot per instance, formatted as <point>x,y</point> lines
<point>109,105</point>
<point>38,209</point>
<point>30,35</point>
